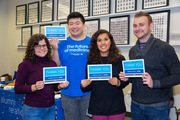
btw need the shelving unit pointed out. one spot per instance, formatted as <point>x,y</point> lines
<point>107,15</point>
<point>104,19</point>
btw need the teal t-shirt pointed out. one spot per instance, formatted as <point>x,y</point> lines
<point>73,55</point>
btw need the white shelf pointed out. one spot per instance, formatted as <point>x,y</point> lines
<point>21,47</point>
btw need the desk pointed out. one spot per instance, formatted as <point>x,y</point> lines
<point>11,106</point>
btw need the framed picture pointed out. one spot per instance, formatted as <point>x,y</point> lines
<point>47,10</point>
<point>82,6</point>
<point>91,27</point>
<point>21,11</point>
<point>33,12</point>
<point>42,28</point>
<point>67,28</point>
<point>119,28</point>
<point>100,7</point>
<point>147,4</point>
<point>161,22</point>
<point>26,33</point>
<point>64,9</point>
<point>125,5</point>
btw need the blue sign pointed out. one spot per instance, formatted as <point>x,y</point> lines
<point>133,68</point>
<point>100,72</point>
<point>54,74</point>
<point>55,32</point>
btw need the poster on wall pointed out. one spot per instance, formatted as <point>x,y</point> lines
<point>47,8</point>
<point>147,4</point>
<point>21,14</point>
<point>100,7</point>
<point>33,12</point>
<point>161,24</point>
<point>42,28</point>
<point>125,5</point>
<point>81,6</point>
<point>64,8</point>
<point>26,33</point>
<point>119,28</point>
<point>91,27</point>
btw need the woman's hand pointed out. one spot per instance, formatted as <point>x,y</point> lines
<point>114,81</point>
<point>122,77</point>
<point>38,86</point>
<point>85,83</point>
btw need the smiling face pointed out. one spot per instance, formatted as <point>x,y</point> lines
<point>76,27</point>
<point>41,49</point>
<point>103,44</point>
<point>142,29</point>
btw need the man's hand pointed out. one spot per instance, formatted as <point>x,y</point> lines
<point>146,78</point>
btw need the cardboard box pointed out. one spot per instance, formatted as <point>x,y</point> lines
<point>6,79</point>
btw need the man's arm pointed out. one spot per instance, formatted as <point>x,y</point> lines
<point>173,65</point>
<point>55,55</point>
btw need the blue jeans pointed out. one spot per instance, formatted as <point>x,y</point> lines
<point>34,113</point>
<point>75,108</point>
<point>142,112</point>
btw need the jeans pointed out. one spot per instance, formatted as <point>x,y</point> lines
<point>34,113</point>
<point>75,108</point>
<point>143,112</point>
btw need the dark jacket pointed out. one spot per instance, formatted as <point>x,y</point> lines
<point>162,63</point>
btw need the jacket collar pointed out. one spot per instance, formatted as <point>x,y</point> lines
<point>146,47</point>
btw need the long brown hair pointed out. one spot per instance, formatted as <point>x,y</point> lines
<point>94,53</point>
<point>33,41</point>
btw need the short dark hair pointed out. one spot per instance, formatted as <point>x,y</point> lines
<point>76,15</point>
<point>33,41</point>
<point>140,14</point>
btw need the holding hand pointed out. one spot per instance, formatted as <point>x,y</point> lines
<point>122,77</point>
<point>146,78</point>
<point>114,81</point>
<point>38,86</point>
<point>63,85</point>
<point>54,43</point>
<point>85,82</point>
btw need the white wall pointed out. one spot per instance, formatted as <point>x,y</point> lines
<point>14,34</point>
<point>4,42</point>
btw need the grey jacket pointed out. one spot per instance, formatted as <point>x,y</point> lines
<point>162,63</point>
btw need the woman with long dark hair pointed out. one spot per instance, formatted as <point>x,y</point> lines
<point>107,99</point>
<point>39,101</point>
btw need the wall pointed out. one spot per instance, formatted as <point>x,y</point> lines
<point>10,35</point>
<point>14,34</point>
<point>4,42</point>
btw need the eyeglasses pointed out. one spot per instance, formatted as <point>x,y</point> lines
<point>41,46</point>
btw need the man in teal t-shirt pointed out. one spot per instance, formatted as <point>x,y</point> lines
<point>72,53</point>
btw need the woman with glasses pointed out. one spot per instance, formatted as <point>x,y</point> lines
<point>39,101</point>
